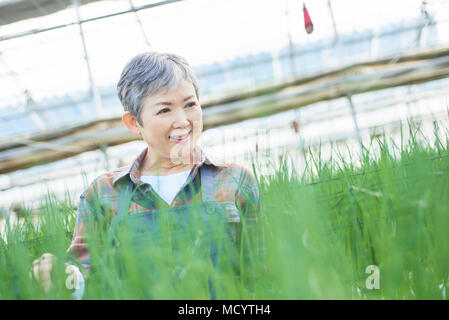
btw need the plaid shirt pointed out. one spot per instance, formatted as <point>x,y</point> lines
<point>233,184</point>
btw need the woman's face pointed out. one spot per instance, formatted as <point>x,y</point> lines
<point>172,122</point>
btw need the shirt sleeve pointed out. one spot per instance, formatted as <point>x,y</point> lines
<point>78,248</point>
<point>95,212</point>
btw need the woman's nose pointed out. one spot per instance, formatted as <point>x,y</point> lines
<point>180,120</point>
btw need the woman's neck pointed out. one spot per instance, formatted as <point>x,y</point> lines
<point>161,167</point>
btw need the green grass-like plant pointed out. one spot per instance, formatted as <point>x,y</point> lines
<point>317,234</point>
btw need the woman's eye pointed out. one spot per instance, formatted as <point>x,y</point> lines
<point>165,110</point>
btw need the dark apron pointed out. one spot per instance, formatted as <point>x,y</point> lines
<point>201,224</point>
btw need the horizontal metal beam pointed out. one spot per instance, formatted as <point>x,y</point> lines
<point>73,171</point>
<point>260,60</point>
<point>417,67</point>
<point>134,9</point>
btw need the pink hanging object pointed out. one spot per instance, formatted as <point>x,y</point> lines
<point>295,126</point>
<point>307,21</point>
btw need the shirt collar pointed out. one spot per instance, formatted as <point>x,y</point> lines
<point>201,157</point>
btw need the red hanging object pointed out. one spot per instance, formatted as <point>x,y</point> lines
<point>307,21</point>
<point>295,126</point>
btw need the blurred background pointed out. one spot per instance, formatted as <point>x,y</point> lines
<point>275,76</point>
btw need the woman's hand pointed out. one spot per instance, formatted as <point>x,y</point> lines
<point>42,270</point>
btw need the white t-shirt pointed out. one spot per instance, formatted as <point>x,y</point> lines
<point>167,186</point>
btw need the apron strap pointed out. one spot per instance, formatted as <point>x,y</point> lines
<point>207,183</point>
<point>124,198</point>
<point>207,189</point>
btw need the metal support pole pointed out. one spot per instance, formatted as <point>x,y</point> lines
<point>94,90</point>
<point>356,125</point>
<point>427,20</point>
<point>333,22</point>
<point>38,118</point>
<point>104,150</point>
<point>145,37</point>
<point>290,41</point>
<point>424,22</point>
<point>247,149</point>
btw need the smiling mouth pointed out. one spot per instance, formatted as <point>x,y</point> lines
<point>179,139</point>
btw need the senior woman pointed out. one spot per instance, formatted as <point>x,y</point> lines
<point>160,97</point>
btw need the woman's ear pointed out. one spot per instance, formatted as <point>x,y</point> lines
<point>131,123</point>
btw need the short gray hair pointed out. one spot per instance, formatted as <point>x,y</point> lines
<point>149,73</point>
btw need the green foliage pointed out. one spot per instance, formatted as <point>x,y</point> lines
<point>317,233</point>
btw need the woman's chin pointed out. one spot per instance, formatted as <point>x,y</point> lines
<point>182,153</point>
